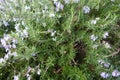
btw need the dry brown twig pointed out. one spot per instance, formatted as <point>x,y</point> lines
<point>114,53</point>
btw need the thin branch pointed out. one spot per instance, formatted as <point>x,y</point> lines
<point>114,53</point>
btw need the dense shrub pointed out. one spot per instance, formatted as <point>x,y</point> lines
<point>59,39</point>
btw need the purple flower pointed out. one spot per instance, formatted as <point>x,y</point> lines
<point>107,65</point>
<point>5,23</point>
<point>86,9</point>
<point>17,27</point>
<point>115,73</point>
<point>7,56</point>
<point>7,37</point>
<point>104,75</point>
<point>1,0</point>
<point>3,42</point>
<point>58,5</point>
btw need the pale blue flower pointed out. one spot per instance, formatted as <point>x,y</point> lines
<point>5,23</point>
<point>115,73</point>
<point>104,75</point>
<point>93,21</point>
<point>113,0</point>
<point>2,60</point>
<point>76,1</point>
<point>107,65</point>
<point>58,5</point>
<point>105,35</point>
<point>101,61</point>
<point>67,1</point>
<point>93,37</point>
<point>86,9</point>
<point>16,77</point>
<point>25,33</point>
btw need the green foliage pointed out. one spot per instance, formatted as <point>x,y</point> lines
<point>42,43</point>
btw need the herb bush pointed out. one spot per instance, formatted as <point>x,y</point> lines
<point>59,39</point>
